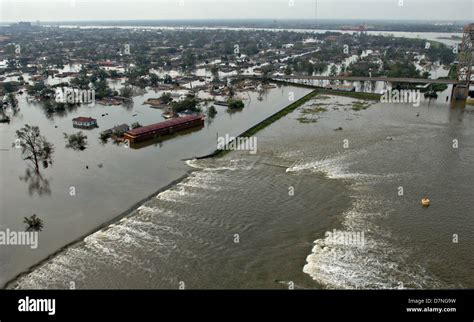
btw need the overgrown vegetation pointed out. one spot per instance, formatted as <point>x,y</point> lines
<point>360,105</point>
<point>235,104</point>
<point>211,111</point>
<point>76,141</point>
<point>189,104</point>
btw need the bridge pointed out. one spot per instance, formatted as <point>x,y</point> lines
<point>464,73</point>
<point>369,79</point>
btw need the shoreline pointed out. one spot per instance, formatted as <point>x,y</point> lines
<point>217,153</point>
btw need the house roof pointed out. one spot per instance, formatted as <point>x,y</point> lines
<point>162,125</point>
<point>84,119</point>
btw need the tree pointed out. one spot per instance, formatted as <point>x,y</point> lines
<point>167,79</point>
<point>34,147</point>
<point>189,60</point>
<point>310,69</point>
<point>215,73</point>
<point>76,141</point>
<point>333,72</point>
<point>211,111</point>
<point>126,91</point>
<point>8,87</point>
<point>154,79</point>
<point>235,104</point>
<point>12,100</point>
<point>189,103</point>
<point>34,223</point>
<point>37,88</point>
<point>166,98</point>
<point>135,125</point>
<point>266,74</point>
<point>49,107</point>
<point>102,89</point>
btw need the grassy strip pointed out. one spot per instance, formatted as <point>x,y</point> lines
<point>359,106</point>
<point>358,95</point>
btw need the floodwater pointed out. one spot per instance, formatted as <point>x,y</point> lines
<point>85,189</point>
<point>260,221</point>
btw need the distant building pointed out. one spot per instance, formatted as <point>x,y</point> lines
<point>164,128</point>
<point>22,25</point>
<point>84,122</point>
<point>344,88</point>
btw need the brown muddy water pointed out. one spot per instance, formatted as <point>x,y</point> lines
<point>260,221</point>
<point>116,177</point>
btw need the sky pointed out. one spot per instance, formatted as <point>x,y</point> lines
<point>84,10</point>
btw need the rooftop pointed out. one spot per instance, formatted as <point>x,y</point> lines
<point>162,125</point>
<point>84,119</point>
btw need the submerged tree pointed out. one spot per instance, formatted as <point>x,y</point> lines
<point>333,72</point>
<point>76,141</point>
<point>166,98</point>
<point>235,104</point>
<point>34,223</point>
<point>215,73</point>
<point>34,147</point>
<point>211,111</point>
<point>126,91</point>
<point>12,100</point>
<point>135,125</point>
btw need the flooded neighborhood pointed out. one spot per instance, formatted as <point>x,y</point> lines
<point>310,154</point>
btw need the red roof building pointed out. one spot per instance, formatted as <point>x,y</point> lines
<point>167,127</point>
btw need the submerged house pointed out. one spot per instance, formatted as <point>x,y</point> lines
<point>84,122</point>
<point>164,128</point>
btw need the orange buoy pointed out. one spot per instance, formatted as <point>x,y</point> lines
<point>425,202</point>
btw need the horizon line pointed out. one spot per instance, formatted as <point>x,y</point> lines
<point>418,21</point>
